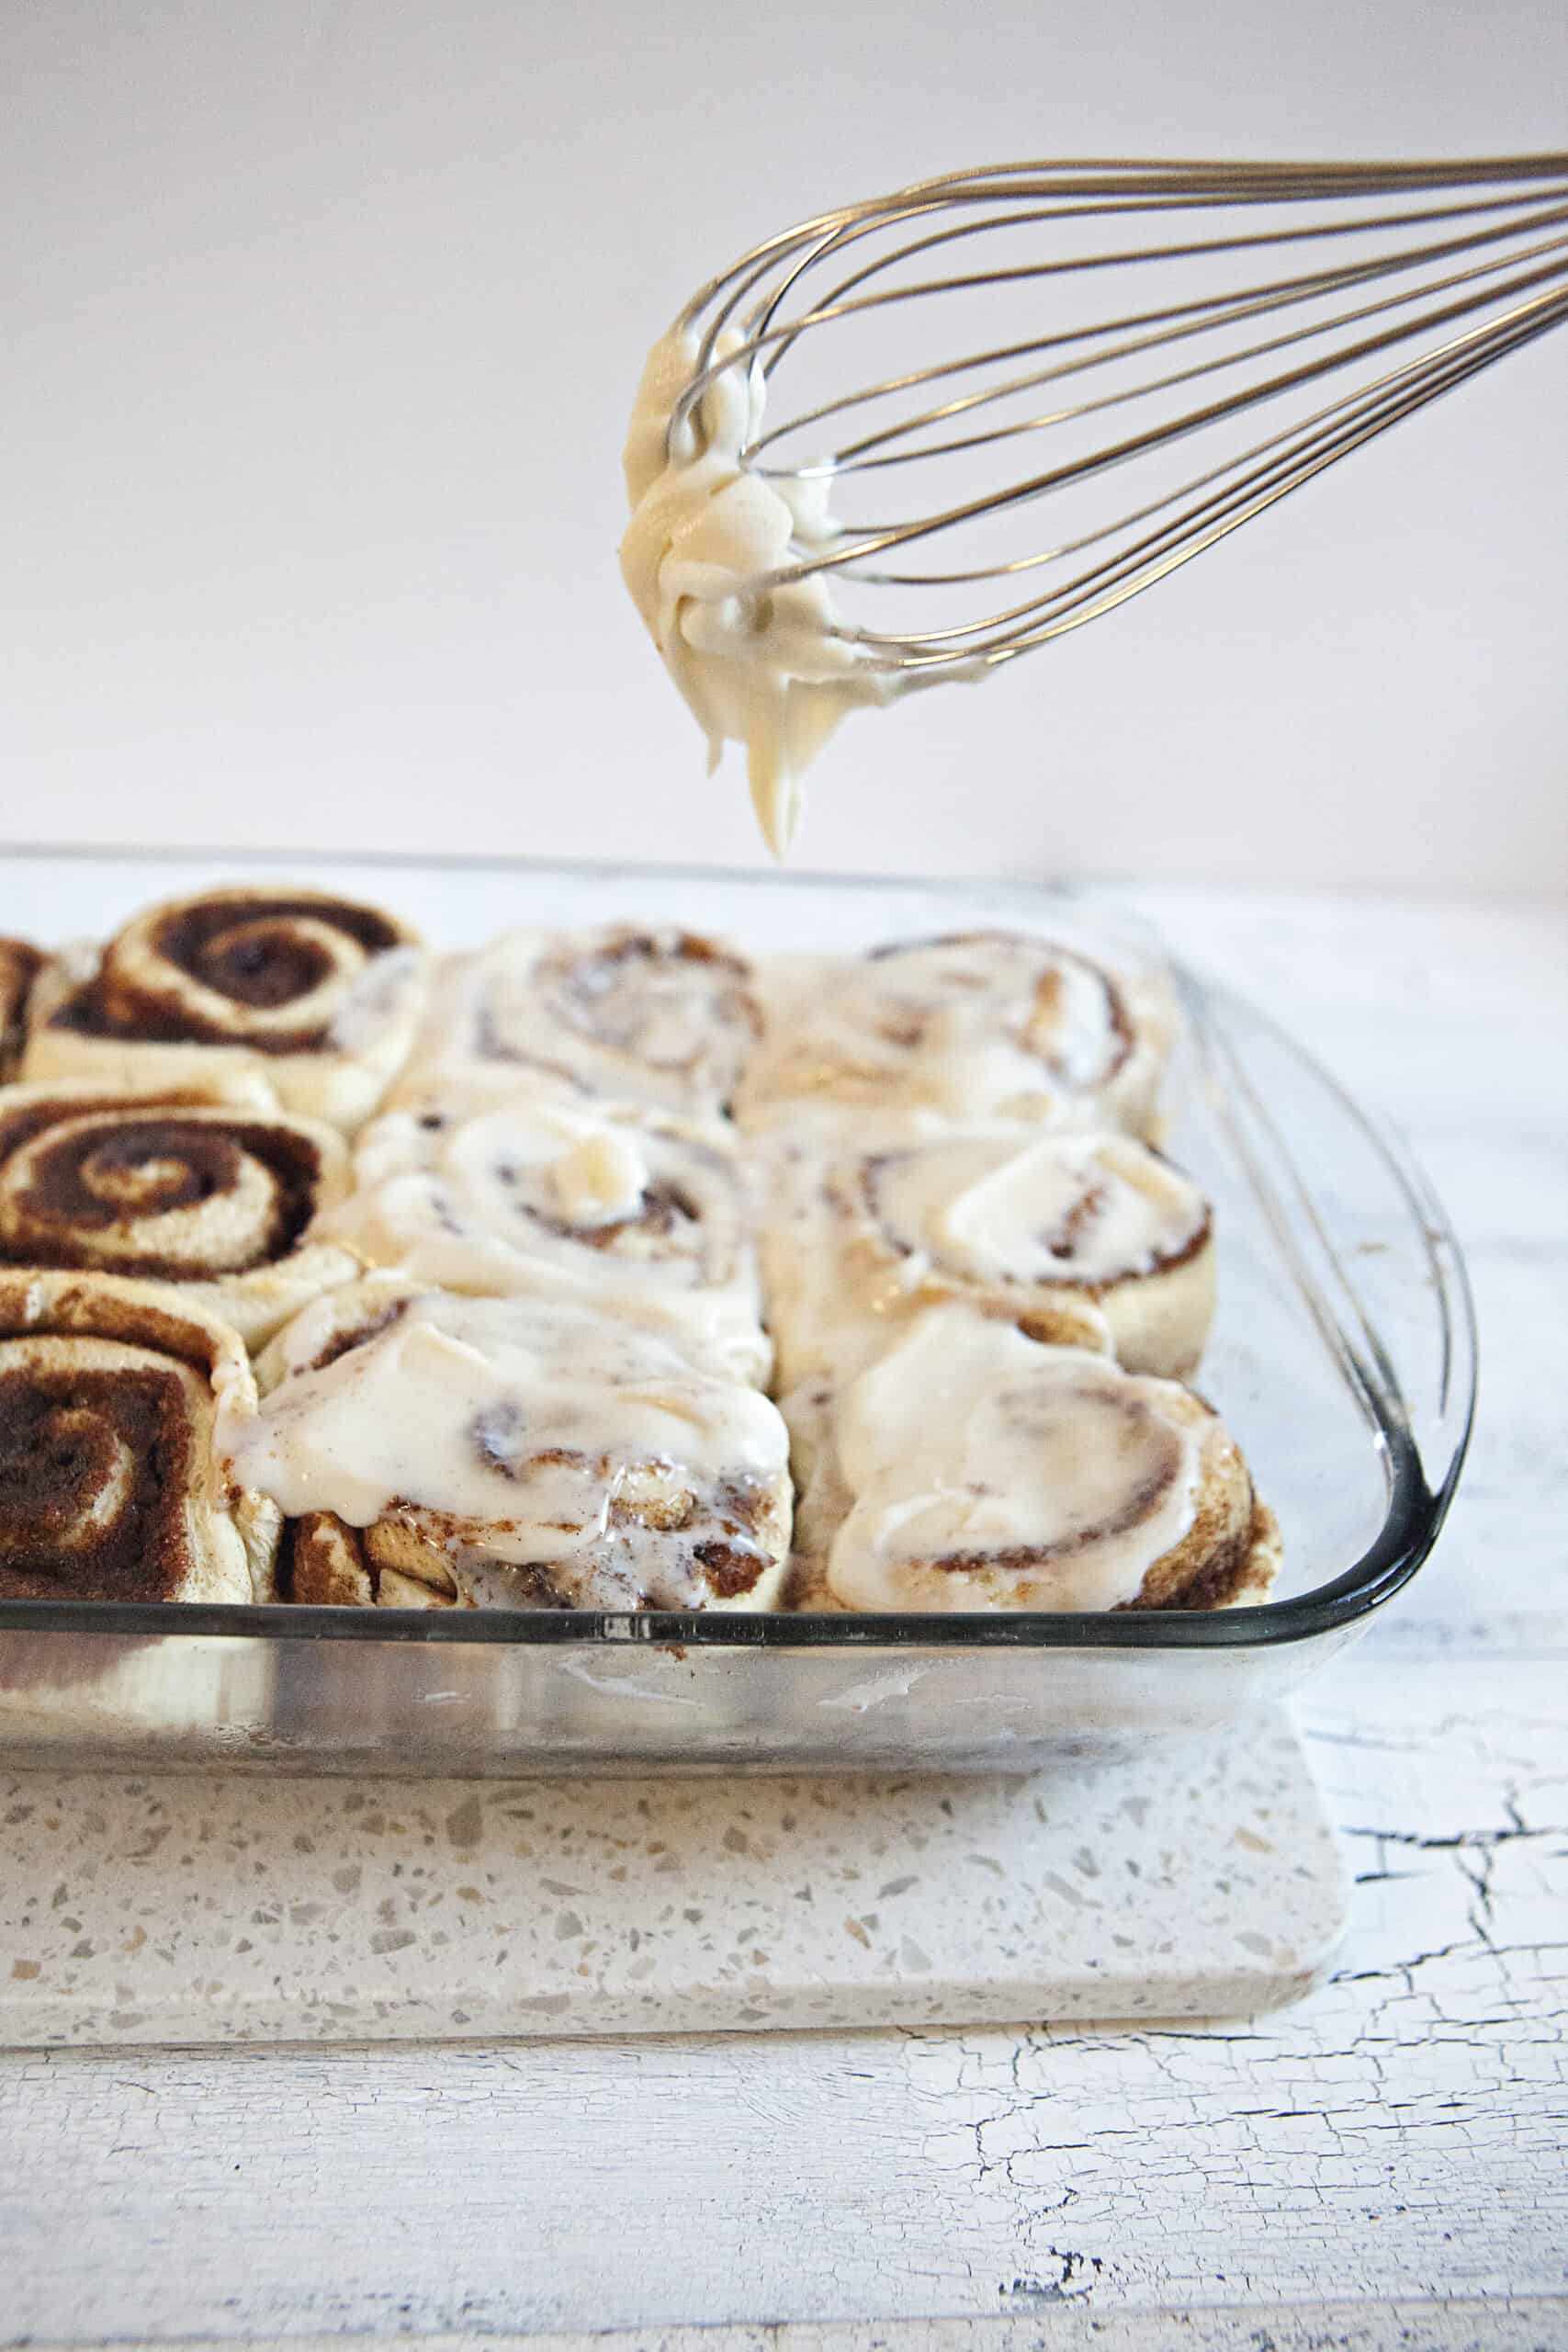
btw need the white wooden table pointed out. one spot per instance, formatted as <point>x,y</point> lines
<point>1382,2164</point>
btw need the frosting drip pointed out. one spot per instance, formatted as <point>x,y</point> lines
<point>766,666</point>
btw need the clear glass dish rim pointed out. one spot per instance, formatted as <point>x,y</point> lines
<point>1416,1509</point>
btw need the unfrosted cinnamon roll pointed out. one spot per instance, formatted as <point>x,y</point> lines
<point>324,1563</point>
<point>110,1484</point>
<point>659,1016</point>
<point>972,1469</point>
<point>493,1189</point>
<point>294,995</point>
<point>983,1023</point>
<point>1084,1238</point>
<point>20,964</point>
<point>512,1454</point>
<point>821,1499</point>
<point>212,1201</point>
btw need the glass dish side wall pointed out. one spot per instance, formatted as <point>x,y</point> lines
<point>408,1709</point>
<point>1342,1356</point>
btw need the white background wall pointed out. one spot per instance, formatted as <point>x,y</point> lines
<point>318,325</point>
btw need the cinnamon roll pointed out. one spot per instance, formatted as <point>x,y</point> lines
<point>212,1201</point>
<point>111,1486</point>
<point>983,1023</point>
<point>1084,1238</point>
<point>512,1454</point>
<point>285,994</point>
<point>19,967</point>
<point>495,1189</point>
<point>976,1470</point>
<point>820,1499</point>
<point>665,1017</point>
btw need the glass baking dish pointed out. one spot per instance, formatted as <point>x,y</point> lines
<point>1343,1359</point>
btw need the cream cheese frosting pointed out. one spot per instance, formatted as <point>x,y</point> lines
<point>626,1014</point>
<point>600,1177</point>
<point>1085,1238</point>
<point>1084,1208</point>
<point>494,1190</point>
<point>978,1024</point>
<point>521,1434</point>
<point>988,1473</point>
<point>762,665</point>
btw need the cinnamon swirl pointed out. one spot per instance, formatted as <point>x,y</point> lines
<point>495,1190</point>
<point>19,967</point>
<point>1084,1238</point>
<point>659,1016</point>
<point>110,1484</point>
<point>213,1201</point>
<point>978,1470</point>
<point>983,1023</point>
<point>512,1454</point>
<point>296,995</point>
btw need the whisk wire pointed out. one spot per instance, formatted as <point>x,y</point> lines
<point>1196,318</point>
<point>1480,245</point>
<point>1299,461</point>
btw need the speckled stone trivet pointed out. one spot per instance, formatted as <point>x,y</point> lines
<point>241,1909</point>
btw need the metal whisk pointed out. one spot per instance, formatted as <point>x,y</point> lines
<point>1026,306</point>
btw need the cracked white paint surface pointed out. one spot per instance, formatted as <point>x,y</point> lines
<point>1381,2165</point>
<point>1523,2323</point>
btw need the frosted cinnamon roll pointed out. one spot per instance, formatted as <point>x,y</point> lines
<point>1084,1238</point>
<point>213,1201</point>
<point>659,1016</point>
<point>292,995</point>
<point>111,1487</point>
<point>980,1471</point>
<point>19,967</point>
<point>983,1023</point>
<point>512,1454</point>
<point>498,1191</point>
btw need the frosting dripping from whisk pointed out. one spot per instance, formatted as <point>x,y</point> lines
<point>764,666</point>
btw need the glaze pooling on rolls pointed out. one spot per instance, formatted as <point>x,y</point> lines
<point>517,1453</point>
<point>1084,1238</point>
<point>20,964</point>
<point>497,1190</point>
<point>313,997</point>
<point>980,1471</point>
<point>978,1024</point>
<point>659,1016</point>
<point>211,1200</point>
<point>1061,1231</point>
<point>110,1484</point>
